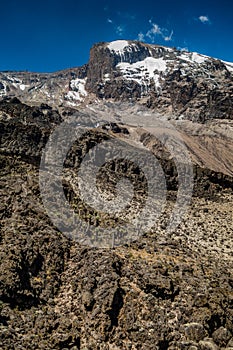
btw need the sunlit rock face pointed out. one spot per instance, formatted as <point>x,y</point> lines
<point>185,85</point>
<point>159,290</point>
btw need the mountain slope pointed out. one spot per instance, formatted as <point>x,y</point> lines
<point>186,85</point>
<point>159,289</point>
<point>166,290</point>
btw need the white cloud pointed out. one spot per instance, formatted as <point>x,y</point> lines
<point>204,19</point>
<point>141,36</point>
<point>157,31</point>
<point>183,49</point>
<point>169,37</point>
<point>120,30</point>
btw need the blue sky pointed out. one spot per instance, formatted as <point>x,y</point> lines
<point>50,35</point>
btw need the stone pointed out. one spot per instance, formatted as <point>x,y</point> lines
<point>221,336</point>
<point>161,290</point>
<point>208,345</point>
<point>200,300</point>
<point>194,331</point>
<point>87,299</point>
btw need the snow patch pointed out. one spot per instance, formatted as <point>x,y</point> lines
<point>73,95</point>
<point>196,57</point>
<point>193,57</point>
<point>107,77</point>
<point>148,66</point>
<point>118,46</point>
<point>143,71</point>
<point>17,83</point>
<point>78,91</point>
<point>3,91</point>
<point>22,87</point>
<point>229,65</point>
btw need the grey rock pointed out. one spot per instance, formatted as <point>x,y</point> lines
<point>194,331</point>
<point>208,344</point>
<point>57,293</point>
<point>221,336</point>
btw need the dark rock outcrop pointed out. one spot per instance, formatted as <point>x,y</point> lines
<point>192,90</point>
<point>180,84</point>
<point>165,290</point>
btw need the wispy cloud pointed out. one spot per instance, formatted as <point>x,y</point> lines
<point>204,19</point>
<point>141,37</point>
<point>120,30</point>
<point>156,32</point>
<point>169,37</point>
<point>183,49</point>
<point>120,20</point>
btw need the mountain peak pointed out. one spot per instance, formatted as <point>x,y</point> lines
<point>177,83</point>
<point>118,45</point>
<point>186,84</point>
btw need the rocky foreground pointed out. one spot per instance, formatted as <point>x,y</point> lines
<point>161,291</point>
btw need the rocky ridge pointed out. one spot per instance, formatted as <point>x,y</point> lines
<point>162,291</point>
<point>184,85</point>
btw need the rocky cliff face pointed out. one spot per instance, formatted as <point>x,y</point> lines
<point>188,85</point>
<point>185,85</point>
<point>164,290</point>
<point>35,88</point>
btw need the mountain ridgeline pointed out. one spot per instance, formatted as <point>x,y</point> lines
<point>184,85</point>
<point>157,289</point>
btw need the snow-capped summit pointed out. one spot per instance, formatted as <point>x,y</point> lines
<point>118,46</point>
<point>183,84</point>
<point>186,84</point>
